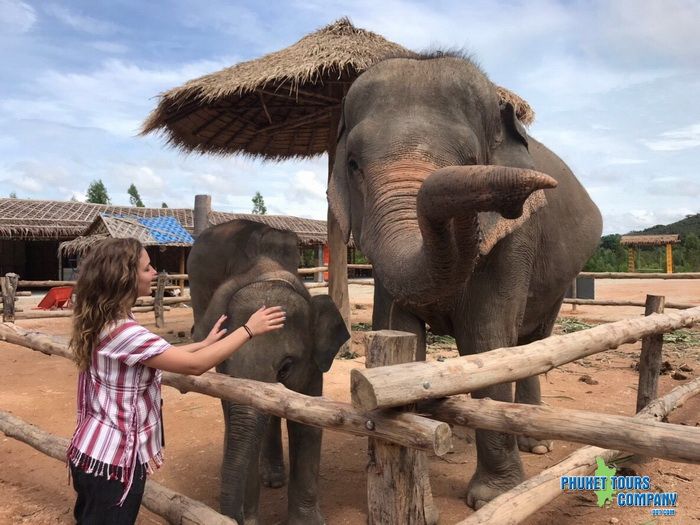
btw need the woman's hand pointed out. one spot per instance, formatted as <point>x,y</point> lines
<point>216,332</point>
<point>266,320</point>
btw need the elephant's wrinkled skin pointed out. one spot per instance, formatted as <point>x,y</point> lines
<point>234,269</point>
<point>442,190</point>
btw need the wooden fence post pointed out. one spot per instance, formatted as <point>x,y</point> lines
<point>398,482</point>
<point>650,356</point>
<point>158,300</point>
<point>574,293</point>
<point>9,288</point>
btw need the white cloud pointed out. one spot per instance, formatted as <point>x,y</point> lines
<point>680,139</point>
<point>113,48</point>
<point>649,27</point>
<point>80,21</point>
<point>116,97</point>
<point>16,16</point>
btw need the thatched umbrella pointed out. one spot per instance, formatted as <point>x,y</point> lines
<point>280,105</point>
<point>285,104</point>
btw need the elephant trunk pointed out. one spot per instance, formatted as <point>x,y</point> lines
<point>244,432</point>
<point>423,257</point>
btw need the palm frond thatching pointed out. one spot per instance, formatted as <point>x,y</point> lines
<point>281,105</point>
<point>649,240</point>
<point>23,219</point>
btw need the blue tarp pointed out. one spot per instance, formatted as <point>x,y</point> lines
<point>163,230</point>
<point>166,230</point>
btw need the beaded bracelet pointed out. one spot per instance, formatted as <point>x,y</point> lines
<point>250,333</point>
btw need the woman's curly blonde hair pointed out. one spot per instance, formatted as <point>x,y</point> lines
<point>105,292</point>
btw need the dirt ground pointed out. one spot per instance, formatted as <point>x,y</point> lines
<point>40,389</point>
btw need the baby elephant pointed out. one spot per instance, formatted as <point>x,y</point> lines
<point>234,269</point>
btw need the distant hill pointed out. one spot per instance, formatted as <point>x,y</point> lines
<point>691,224</point>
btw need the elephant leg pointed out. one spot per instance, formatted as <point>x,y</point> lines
<point>304,464</point>
<point>528,390</point>
<point>240,485</point>
<point>272,473</point>
<point>488,317</point>
<point>498,467</point>
<point>388,315</point>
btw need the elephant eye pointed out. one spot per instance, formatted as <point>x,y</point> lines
<point>285,368</point>
<point>352,165</point>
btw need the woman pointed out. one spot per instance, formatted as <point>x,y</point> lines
<point>118,438</point>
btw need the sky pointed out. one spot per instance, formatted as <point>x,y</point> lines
<point>614,85</point>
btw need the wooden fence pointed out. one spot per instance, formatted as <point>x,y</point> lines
<point>398,484</point>
<point>159,304</point>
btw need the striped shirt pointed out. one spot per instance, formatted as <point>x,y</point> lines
<point>119,421</point>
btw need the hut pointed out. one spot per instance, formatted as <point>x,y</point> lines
<point>634,242</point>
<point>31,232</point>
<point>164,238</point>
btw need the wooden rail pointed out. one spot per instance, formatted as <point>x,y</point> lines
<point>175,507</point>
<point>599,302</point>
<point>406,429</point>
<point>402,384</point>
<point>634,275</point>
<point>524,500</point>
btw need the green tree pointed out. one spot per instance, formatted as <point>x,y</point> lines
<point>97,193</point>
<point>13,195</point>
<point>134,197</point>
<point>259,204</point>
<point>163,205</point>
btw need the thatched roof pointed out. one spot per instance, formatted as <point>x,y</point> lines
<point>649,240</point>
<point>281,105</point>
<point>151,231</point>
<point>56,220</point>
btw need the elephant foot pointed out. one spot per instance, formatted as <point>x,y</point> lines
<point>306,517</point>
<point>485,487</point>
<point>534,446</point>
<point>272,476</point>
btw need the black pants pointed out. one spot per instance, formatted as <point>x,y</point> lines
<point>98,498</point>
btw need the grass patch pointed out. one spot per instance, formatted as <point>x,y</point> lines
<point>571,324</point>
<point>361,327</point>
<point>683,338</point>
<point>432,339</point>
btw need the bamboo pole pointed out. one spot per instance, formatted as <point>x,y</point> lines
<point>662,440</point>
<point>517,504</point>
<point>44,284</point>
<point>406,429</point>
<point>599,302</point>
<point>403,384</point>
<point>174,507</point>
<point>398,482</point>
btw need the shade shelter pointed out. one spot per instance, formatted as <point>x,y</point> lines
<point>283,105</point>
<point>633,242</point>
<point>166,234</point>
<point>31,232</point>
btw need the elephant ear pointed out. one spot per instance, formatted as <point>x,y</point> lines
<point>338,186</point>
<point>218,305</point>
<point>512,150</point>
<point>330,332</point>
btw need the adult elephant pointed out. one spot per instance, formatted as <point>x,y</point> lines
<point>442,189</point>
<point>234,268</point>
